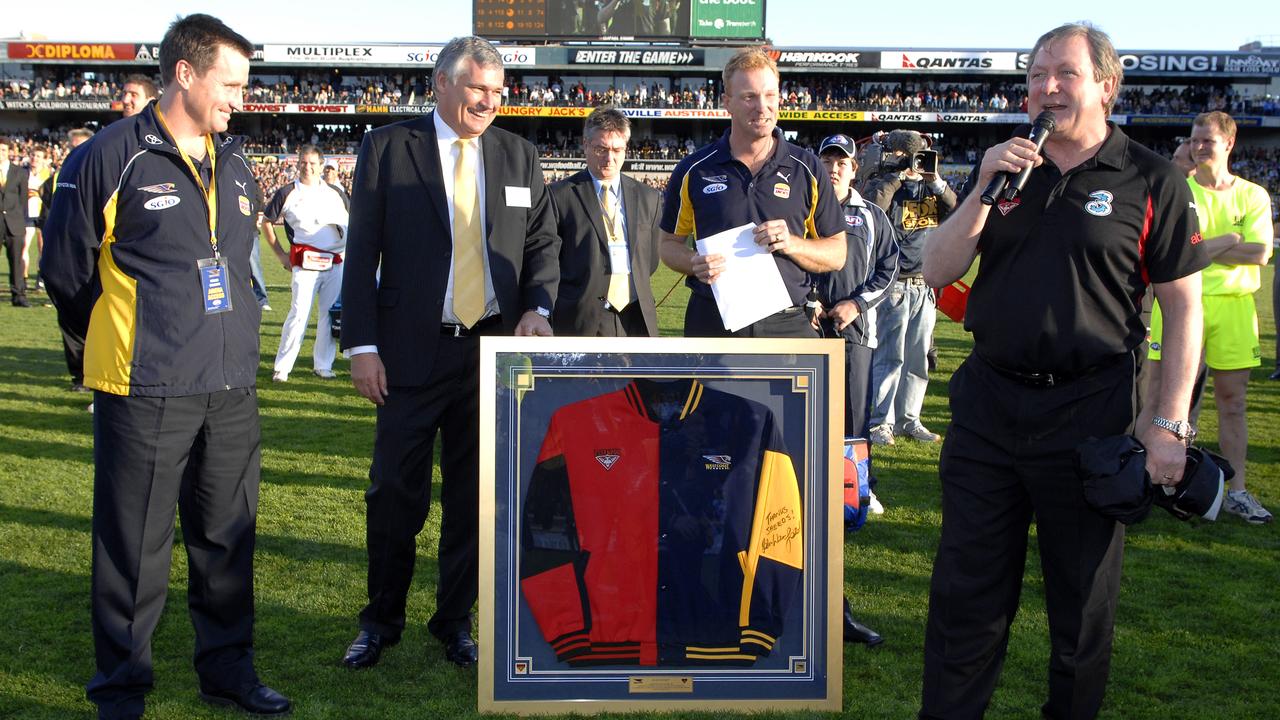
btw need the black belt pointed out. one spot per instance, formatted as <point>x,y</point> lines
<point>456,330</point>
<point>911,279</point>
<point>1044,379</point>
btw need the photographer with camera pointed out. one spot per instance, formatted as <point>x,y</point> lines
<point>907,187</point>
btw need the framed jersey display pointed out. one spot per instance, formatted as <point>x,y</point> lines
<point>657,519</point>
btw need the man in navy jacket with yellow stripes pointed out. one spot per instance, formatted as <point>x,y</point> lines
<point>148,254</point>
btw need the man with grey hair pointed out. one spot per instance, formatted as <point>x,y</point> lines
<point>456,217</point>
<point>1055,312</point>
<point>609,238</point>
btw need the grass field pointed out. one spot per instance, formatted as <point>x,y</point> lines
<point>1198,606</point>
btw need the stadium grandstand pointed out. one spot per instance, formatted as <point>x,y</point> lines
<point>964,99</point>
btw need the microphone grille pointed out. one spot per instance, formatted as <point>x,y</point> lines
<point>1047,120</point>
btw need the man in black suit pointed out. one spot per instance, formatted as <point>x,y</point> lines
<point>13,222</point>
<point>467,247</point>
<point>609,239</point>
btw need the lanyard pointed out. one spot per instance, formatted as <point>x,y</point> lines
<point>610,220</point>
<point>211,192</point>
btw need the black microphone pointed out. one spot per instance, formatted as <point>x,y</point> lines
<point>1010,185</point>
<point>811,304</point>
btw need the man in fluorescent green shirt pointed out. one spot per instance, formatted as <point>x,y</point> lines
<point>1235,222</point>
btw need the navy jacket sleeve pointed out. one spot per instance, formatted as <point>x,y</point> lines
<point>884,262</point>
<point>72,235</point>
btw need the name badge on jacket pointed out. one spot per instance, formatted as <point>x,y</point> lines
<point>518,197</point>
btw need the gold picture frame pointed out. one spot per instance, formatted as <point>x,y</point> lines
<point>793,387</point>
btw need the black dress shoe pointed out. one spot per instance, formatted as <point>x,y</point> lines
<point>460,649</point>
<point>855,631</point>
<point>366,649</point>
<point>21,302</point>
<point>259,700</point>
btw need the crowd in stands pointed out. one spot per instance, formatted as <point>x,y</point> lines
<point>799,92</point>
<point>64,85</point>
<point>1259,164</point>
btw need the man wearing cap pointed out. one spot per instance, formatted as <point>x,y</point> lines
<point>1055,313</point>
<point>916,202</point>
<point>329,174</point>
<point>849,298</point>
<point>751,175</point>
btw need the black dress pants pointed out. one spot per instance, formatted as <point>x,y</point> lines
<point>17,268</point>
<point>399,494</point>
<point>202,454</point>
<point>702,319</point>
<point>1009,458</point>
<point>857,404</point>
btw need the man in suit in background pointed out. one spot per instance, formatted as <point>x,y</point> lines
<point>458,218</point>
<point>13,222</point>
<point>609,239</point>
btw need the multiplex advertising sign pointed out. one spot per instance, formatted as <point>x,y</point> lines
<point>371,54</point>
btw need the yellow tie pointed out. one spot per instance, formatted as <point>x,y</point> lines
<point>619,295</point>
<point>468,262</point>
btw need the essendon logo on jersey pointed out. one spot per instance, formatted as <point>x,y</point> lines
<point>1006,206</point>
<point>718,462</point>
<point>607,457</point>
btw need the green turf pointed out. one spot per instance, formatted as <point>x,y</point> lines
<point>1198,608</point>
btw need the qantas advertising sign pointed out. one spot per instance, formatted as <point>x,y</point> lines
<point>942,61</point>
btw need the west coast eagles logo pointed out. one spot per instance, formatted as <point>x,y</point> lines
<point>159,188</point>
<point>608,457</point>
<point>718,462</point>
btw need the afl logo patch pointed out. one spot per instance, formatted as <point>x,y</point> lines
<point>244,206</point>
<point>1099,203</point>
<point>782,190</point>
<point>853,220</point>
<point>162,202</point>
<point>714,188</point>
<point>607,458</point>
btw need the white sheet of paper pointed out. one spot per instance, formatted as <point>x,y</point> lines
<point>750,287</point>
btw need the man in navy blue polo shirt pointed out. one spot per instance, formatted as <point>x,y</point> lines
<point>752,175</point>
<point>1055,313</point>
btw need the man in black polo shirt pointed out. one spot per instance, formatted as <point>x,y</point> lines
<point>1055,316</point>
<point>752,175</point>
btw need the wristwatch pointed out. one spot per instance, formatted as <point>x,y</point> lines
<point>543,312</point>
<point>1181,429</point>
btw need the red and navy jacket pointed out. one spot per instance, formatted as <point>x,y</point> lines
<point>662,526</point>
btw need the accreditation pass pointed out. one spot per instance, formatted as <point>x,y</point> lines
<point>213,281</point>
